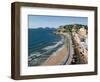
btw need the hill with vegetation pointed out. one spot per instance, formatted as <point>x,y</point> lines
<point>70,27</point>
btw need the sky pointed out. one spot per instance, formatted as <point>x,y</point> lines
<point>35,21</point>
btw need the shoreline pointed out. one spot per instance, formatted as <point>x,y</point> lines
<point>58,57</point>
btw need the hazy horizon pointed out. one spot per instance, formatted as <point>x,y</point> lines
<point>40,21</point>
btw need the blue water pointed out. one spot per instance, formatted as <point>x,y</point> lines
<point>42,42</point>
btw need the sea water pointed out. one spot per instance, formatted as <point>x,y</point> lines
<point>42,42</point>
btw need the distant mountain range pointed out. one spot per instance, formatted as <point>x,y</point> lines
<point>43,28</point>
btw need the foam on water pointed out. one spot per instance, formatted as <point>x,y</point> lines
<point>54,46</point>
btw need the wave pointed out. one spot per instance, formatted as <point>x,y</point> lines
<point>54,46</point>
<point>34,56</point>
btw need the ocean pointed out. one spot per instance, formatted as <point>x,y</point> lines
<point>42,42</point>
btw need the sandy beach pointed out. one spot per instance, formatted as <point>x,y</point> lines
<point>58,57</point>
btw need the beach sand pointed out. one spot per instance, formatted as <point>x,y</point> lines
<point>58,57</point>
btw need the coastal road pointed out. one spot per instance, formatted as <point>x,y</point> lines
<point>70,50</point>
